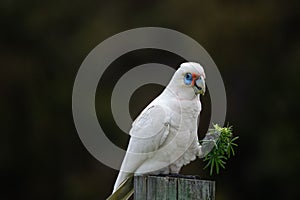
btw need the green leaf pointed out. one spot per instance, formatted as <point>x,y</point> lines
<point>212,165</point>
<point>223,149</point>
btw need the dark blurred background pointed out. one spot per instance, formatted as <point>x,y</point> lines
<point>255,44</point>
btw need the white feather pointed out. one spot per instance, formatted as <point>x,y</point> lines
<point>164,136</point>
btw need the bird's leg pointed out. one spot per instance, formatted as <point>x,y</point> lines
<point>208,143</point>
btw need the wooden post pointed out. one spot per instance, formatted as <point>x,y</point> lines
<point>172,188</point>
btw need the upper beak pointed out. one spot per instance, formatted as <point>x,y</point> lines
<point>199,86</point>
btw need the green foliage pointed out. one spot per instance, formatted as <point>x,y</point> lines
<point>223,149</point>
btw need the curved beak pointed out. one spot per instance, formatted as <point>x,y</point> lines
<point>199,86</point>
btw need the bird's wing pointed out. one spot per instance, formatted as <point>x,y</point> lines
<point>148,133</point>
<point>149,129</point>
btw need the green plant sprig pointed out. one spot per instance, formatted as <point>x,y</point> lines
<point>222,150</point>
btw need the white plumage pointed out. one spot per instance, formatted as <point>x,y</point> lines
<point>164,136</point>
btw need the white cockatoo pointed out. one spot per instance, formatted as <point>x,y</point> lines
<point>164,136</point>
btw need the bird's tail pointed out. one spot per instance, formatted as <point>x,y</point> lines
<point>124,190</point>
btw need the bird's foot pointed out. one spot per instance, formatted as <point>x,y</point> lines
<point>183,176</point>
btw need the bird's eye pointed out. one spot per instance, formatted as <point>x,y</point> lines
<point>188,78</point>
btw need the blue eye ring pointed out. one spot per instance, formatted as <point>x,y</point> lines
<point>188,78</point>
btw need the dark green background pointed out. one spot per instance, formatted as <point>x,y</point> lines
<point>255,44</point>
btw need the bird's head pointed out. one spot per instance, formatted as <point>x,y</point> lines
<point>193,76</point>
<point>189,79</point>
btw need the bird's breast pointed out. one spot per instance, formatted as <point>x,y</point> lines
<point>183,114</point>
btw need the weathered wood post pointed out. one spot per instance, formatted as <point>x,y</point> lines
<point>172,188</point>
